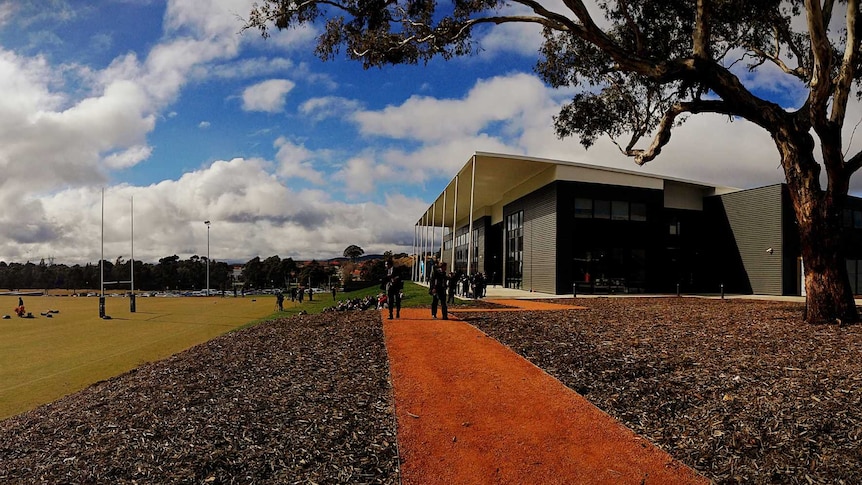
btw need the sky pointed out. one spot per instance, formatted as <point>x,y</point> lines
<point>178,117</point>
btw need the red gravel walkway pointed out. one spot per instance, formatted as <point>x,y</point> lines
<point>471,411</point>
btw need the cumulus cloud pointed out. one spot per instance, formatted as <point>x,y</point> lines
<point>296,161</point>
<point>7,9</point>
<point>252,214</point>
<point>496,100</point>
<point>57,148</point>
<point>267,96</point>
<point>361,175</point>
<point>207,19</point>
<point>319,109</point>
<point>128,158</point>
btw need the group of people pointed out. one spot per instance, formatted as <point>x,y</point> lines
<point>455,284</point>
<point>360,304</point>
<point>443,287</point>
<point>297,294</point>
<point>472,286</point>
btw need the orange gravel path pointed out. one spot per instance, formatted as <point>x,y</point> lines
<point>471,411</point>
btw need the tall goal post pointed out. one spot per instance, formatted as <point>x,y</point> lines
<point>131,281</point>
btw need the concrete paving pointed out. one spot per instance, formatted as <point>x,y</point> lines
<point>493,292</point>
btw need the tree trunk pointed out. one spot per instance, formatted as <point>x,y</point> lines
<point>829,297</point>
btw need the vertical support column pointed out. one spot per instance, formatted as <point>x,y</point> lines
<point>433,219</point>
<point>427,248</point>
<point>422,243</point>
<point>454,218</point>
<point>470,229</point>
<point>443,223</point>
<point>415,269</point>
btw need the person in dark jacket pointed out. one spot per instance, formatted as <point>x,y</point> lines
<point>438,290</point>
<point>393,285</point>
<point>453,287</point>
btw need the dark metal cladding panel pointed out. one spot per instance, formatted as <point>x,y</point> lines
<point>540,240</point>
<point>755,218</point>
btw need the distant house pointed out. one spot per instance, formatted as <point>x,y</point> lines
<point>544,225</point>
<point>236,275</point>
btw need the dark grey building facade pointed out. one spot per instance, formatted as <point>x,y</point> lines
<point>555,227</point>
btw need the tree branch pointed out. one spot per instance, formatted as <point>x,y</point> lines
<point>702,31</point>
<point>821,49</point>
<point>465,28</point>
<point>853,164</point>
<point>633,26</point>
<point>797,72</point>
<point>662,137</point>
<point>540,10</point>
<point>787,36</point>
<point>848,66</point>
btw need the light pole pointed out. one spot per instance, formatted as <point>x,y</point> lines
<point>208,256</point>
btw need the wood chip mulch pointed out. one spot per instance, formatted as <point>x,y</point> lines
<point>299,400</point>
<point>740,390</point>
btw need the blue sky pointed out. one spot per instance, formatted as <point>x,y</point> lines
<point>166,103</point>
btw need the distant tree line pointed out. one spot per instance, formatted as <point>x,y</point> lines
<point>170,273</point>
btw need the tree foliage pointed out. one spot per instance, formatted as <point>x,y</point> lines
<point>641,67</point>
<point>170,273</point>
<point>353,252</point>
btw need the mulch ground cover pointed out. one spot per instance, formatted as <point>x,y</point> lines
<point>740,390</point>
<point>299,400</point>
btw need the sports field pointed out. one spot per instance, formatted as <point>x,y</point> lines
<point>43,359</point>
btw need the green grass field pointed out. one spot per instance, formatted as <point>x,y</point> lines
<point>43,359</point>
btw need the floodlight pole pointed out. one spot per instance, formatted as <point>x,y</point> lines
<point>132,306</point>
<point>102,263</point>
<point>208,256</point>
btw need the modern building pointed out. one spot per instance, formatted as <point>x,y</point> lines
<point>546,225</point>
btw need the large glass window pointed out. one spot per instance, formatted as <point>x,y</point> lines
<point>602,209</point>
<point>583,208</point>
<point>615,210</point>
<point>638,211</point>
<point>619,210</point>
<point>514,249</point>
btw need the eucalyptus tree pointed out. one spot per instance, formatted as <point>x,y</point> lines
<point>353,252</point>
<point>642,67</point>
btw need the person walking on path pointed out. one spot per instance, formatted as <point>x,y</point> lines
<point>453,287</point>
<point>392,284</point>
<point>438,290</point>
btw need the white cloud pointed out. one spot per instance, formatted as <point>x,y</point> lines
<point>252,214</point>
<point>247,68</point>
<point>207,19</point>
<point>496,100</point>
<point>296,161</point>
<point>128,158</point>
<point>319,109</point>
<point>267,96</point>
<point>7,10</point>
<point>301,37</point>
<point>360,176</point>
<point>204,125</point>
